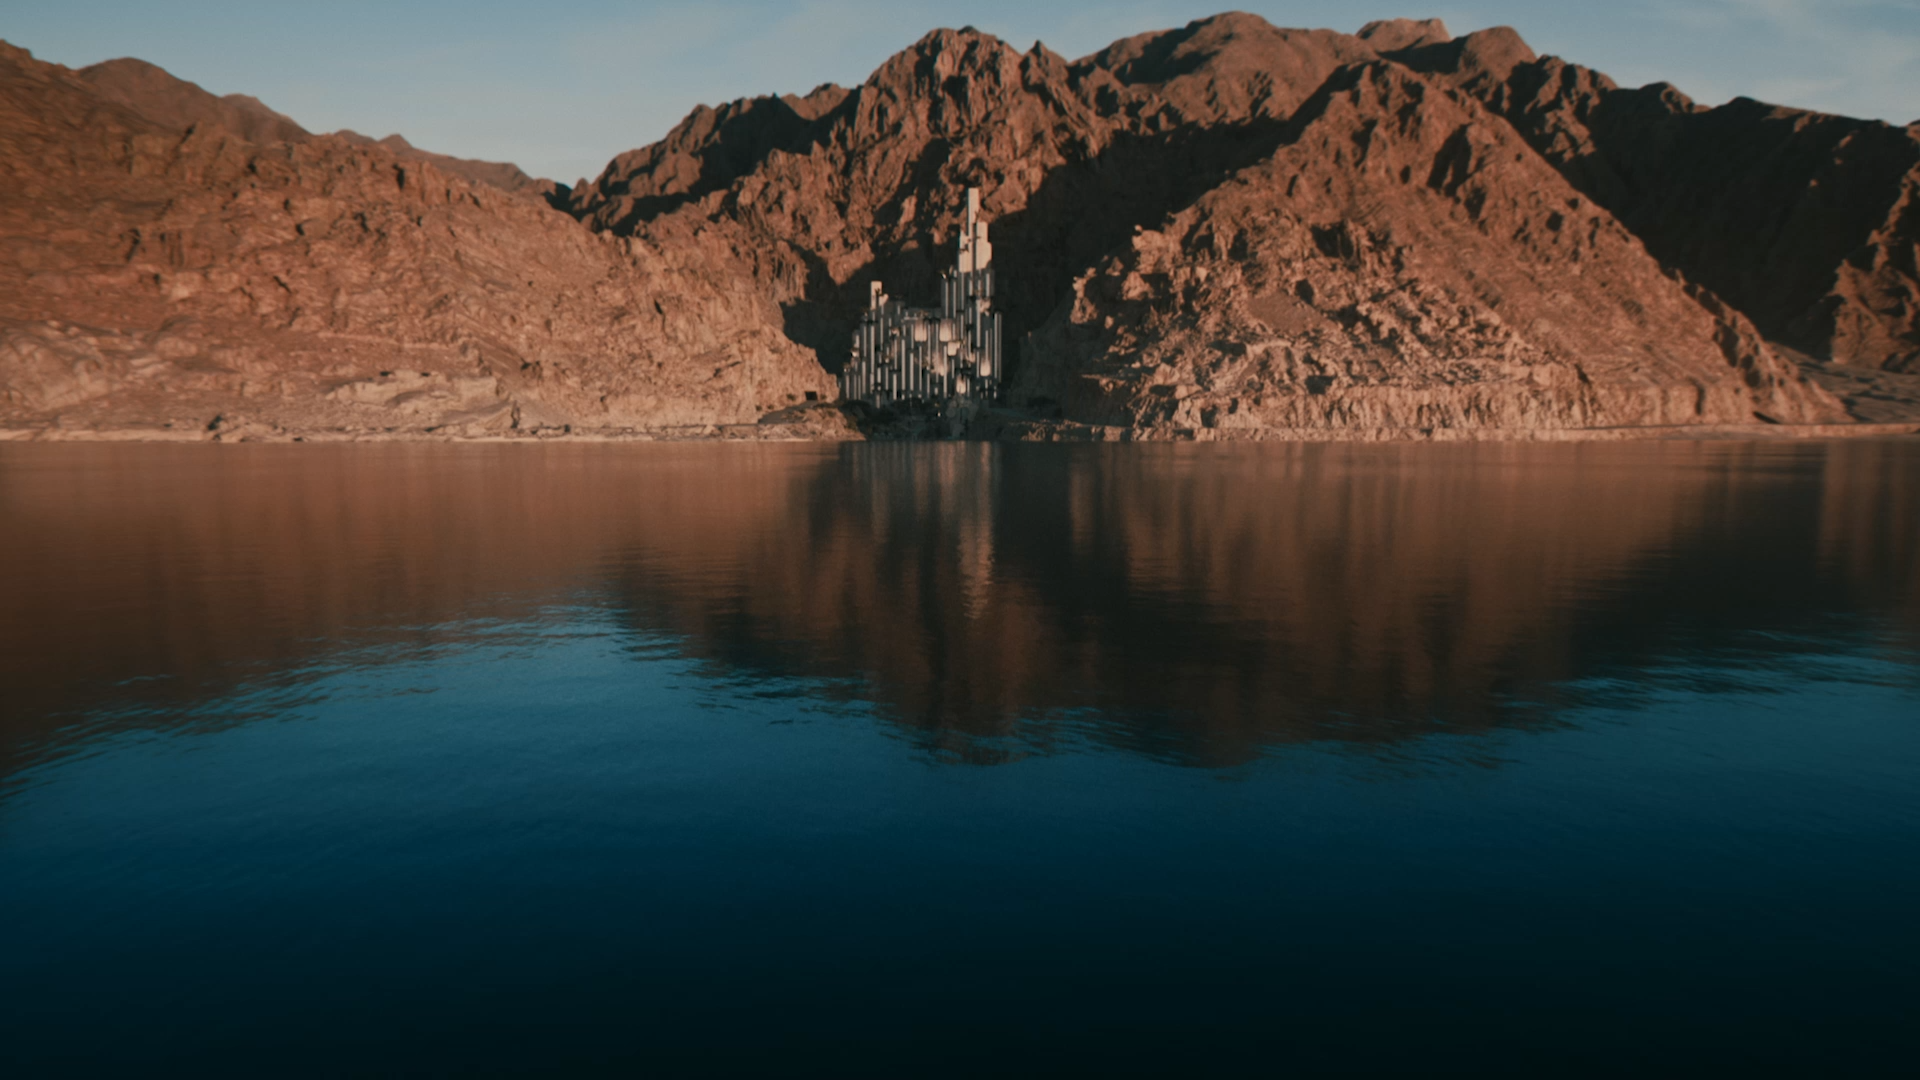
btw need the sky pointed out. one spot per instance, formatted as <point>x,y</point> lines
<point>559,89</point>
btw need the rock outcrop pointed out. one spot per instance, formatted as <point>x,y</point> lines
<point>504,175</point>
<point>173,102</point>
<point>200,280</point>
<point>1808,223</point>
<point>1417,273</point>
<point>1228,229</point>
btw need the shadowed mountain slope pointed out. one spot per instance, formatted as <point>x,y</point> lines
<point>1226,230</point>
<point>1400,264</point>
<point>1420,267</point>
<point>504,175</point>
<point>1806,222</point>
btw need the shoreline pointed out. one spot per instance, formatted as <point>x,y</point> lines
<point>1003,431</point>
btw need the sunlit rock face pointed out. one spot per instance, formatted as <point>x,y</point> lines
<point>1803,221</point>
<point>1401,263</point>
<point>1224,231</point>
<point>196,281</point>
<point>1229,230</point>
<point>1206,603</point>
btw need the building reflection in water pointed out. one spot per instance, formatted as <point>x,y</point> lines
<point>1201,604</point>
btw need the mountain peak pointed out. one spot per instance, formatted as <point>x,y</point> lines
<point>1226,226</point>
<point>1392,35</point>
<point>171,101</point>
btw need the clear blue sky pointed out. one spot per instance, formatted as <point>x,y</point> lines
<point>560,88</point>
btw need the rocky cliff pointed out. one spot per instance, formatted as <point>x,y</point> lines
<point>1806,222</point>
<point>1422,273</point>
<point>504,175</point>
<point>197,280</point>
<point>1228,230</point>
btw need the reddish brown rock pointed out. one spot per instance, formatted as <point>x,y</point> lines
<point>1401,264</point>
<point>1226,227</point>
<point>1225,230</point>
<point>1805,222</point>
<point>504,175</point>
<point>1235,68</point>
<point>176,103</point>
<point>321,287</point>
<point>173,102</point>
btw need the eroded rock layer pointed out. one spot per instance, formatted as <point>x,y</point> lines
<point>211,283</point>
<point>1806,222</point>
<point>1424,273</point>
<point>1228,230</point>
<point>1224,228</point>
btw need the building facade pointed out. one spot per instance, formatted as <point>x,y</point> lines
<point>937,356</point>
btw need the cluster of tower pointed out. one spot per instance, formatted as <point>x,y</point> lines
<point>931,355</point>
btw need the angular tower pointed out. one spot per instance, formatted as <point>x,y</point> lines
<point>934,356</point>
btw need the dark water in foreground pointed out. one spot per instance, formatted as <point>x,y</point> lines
<point>969,759</point>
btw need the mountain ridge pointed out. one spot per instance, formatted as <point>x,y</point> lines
<point>1225,230</point>
<point>196,284</point>
<point>1078,157</point>
<point>173,102</point>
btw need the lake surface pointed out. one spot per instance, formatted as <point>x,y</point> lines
<point>959,759</point>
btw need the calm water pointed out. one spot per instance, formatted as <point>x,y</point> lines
<point>959,759</point>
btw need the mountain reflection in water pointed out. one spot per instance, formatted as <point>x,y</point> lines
<point>666,760</point>
<point>1196,604</point>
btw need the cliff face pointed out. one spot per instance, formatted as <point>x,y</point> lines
<point>1806,222</point>
<point>205,281</point>
<point>828,192</point>
<point>1425,273</point>
<point>501,174</point>
<point>1227,228</point>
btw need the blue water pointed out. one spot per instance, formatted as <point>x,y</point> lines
<point>457,760</point>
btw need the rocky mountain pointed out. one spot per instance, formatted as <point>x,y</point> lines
<point>176,103</point>
<point>1229,230</point>
<point>1424,273</point>
<point>504,175</point>
<point>198,282</point>
<point>1806,222</point>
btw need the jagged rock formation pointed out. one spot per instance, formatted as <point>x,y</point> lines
<point>1225,230</point>
<point>1229,228</point>
<point>206,282</point>
<point>1421,275</point>
<point>504,175</point>
<point>173,102</point>
<point>1808,223</point>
